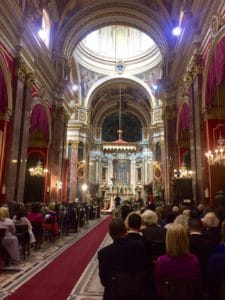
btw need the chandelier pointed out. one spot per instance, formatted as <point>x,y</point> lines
<point>182,172</point>
<point>38,170</point>
<point>217,157</point>
<point>119,146</point>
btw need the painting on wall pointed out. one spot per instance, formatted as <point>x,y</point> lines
<point>121,171</point>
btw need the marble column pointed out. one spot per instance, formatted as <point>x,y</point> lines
<point>133,174</point>
<point>25,136</point>
<point>73,159</point>
<point>197,135</point>
<point>57,150</point>
<point>170,155</point>
<point>110,172</point>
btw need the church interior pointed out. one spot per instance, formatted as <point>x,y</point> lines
<point>105,98</point>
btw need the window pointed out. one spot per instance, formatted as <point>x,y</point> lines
<point>44,32</point>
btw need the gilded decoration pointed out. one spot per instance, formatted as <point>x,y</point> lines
<point>157,173</point>
<point>21,68</point>
<point>81,170</point>
<point>196,66</point>
<point>214,25</point>
<point>30,79</point>
<point>188,80</point>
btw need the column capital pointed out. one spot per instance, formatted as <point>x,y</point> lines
<point>30,79</point>
<point>6,115</point>
<point>21,68</point>
<point>170,112</point>
<point>74,145</point>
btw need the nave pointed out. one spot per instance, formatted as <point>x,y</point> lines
<point>53,271</point>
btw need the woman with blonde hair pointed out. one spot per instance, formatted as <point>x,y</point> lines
<point>10,241</point>
<point>178,263</point>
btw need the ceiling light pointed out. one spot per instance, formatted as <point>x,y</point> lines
<point>176,31</point>
<point>42,34</point>
<point>75,87</point>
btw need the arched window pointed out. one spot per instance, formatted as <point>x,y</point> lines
<point>44,32</point>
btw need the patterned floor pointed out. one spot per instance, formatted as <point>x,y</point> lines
<point>13,277</point>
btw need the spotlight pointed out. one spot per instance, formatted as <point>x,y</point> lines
<point>74,87</point>
<point>59,184</point>
<point>84,187</point>
<point>42,34</point>
<point>176,31</point>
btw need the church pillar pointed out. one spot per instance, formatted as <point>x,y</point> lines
<point>73,160</point>
<point>133,173</point>
<point>20,132</point>
<point>57,151</point>
<point>110,172</point>
<point>170,156</point>
<point>197,136</point>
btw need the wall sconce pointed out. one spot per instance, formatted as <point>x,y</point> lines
<point>59,184</point>
<point>183,172</point>
<point>84,187</point>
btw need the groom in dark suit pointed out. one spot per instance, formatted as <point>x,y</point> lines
<point>120,261</point>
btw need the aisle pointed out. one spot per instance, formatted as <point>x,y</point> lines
<point>58,278</point>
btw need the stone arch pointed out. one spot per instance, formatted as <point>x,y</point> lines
<point>45,108</point>
<point>220,36</point>
<point>102,14</point>
<point>109,78</point>
<point>8,79</point>
<point>181,110</point>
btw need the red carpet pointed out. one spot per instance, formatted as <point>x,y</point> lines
<point>59,277</point>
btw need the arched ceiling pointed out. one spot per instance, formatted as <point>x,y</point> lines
<point>103,48</point>
<point>106,98</point>
<point>155,18</point>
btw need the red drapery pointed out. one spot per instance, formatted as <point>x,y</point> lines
<point>216,71</point>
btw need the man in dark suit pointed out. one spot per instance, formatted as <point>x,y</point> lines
<point>198,244</point>
<point>216,276</point>
<point>124,257</point>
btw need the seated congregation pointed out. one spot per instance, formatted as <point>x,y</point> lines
<point>24,228</point>
<point>167,254</point>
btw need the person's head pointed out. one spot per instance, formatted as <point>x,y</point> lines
<point>210,220</point>
<point>195,225</point>
<point>4,213</point>
<point>117,228</point>
<point>149,217</point>
<point>21,212</point>
<point>51,206</point>
<point>182,220</point>
<point>175,209</point>
<point>125,210</point>
<point>133,221</point>
<point>186,212</point>
<point>35,207</point>
<point>176,240</point>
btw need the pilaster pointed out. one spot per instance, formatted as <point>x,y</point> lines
<point>73,160</point>
<point>57,150</point>
<point>20,129</point>
<point>170,159</point>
